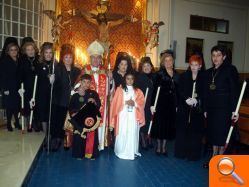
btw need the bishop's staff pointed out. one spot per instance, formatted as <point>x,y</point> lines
<point>50,109</point>
<point>193,95</point>
<point>109,135</point>
<point>32,103</point>
<point>154,107</point>
<point>235,114</point>
<point>22,108</point>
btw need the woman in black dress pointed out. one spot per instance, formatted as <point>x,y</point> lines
<point>27,70</point>
<point>45,79</point>
<point>66,75</point>
<point>122,66</point>
<point>190,117</point>
<point>145,80</point>
<point>163,127</point>
<point>11,98</point>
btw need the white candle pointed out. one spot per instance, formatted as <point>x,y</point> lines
<point>53,66</point>
<point>22,98</point>
<point>146,94</point>
<point>157,94</point>
<point>22,106</point>
<point>35,84</point>
<point>193,91</point>
<point>236,112</point>
<point>240,97</point>
<point>109,66</point>
<point>150,126</point>
<point>32,111</point>
<point>155,103</point>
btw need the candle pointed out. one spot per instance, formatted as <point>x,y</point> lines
<point>32,111</point>
<point>109,66</point>
<point>22,88</point>
<point>22,105</point>
<point>157,94</point>
<point>240,97</point>
<point>155,103</point>
<point>236,113</point>
<point>193,91</point>
<point>35,84</point>
<point>146,94</point>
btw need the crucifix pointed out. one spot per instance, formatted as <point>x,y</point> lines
<point>104,22</point>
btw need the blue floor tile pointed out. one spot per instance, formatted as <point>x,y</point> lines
<point>60,169</point>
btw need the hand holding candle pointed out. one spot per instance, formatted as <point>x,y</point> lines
<point>236,113</point>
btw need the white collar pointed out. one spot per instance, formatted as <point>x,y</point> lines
<point>94,68</point>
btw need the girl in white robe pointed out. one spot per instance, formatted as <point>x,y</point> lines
<point>127,116</point>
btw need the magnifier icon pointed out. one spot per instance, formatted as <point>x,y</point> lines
<point>226,167</point>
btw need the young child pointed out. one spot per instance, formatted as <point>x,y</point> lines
<point>127,116</point>
<point>88,146</point>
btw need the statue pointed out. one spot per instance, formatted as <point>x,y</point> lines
<point>58,24</point>
<point>152,33</point>
<point>103,21</point>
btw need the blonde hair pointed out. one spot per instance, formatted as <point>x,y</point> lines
<point>163,57</point>
<point>45,46</point>
<point>30,44</point>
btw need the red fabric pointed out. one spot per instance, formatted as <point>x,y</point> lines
<point>89,143</point>
<point>102,92</point>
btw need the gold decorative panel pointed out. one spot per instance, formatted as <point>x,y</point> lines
<point>125,37</point>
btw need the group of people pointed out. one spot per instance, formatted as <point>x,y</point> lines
<point>120,105</point>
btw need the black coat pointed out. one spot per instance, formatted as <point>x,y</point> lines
<point>220,102</point>
<point>144,81</point>
<point>77,101</point>
<point>27,70</point>
<point>64,83</point>
<point>164,120</point>
<point>9,82</point>
<point>79,144</point>
<point>44,69</point>
<point>188,141</point>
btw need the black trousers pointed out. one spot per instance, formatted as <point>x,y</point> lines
<point>9,114</point>
<point>57,122</point>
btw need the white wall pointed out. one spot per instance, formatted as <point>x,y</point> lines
<point>237,16</point>
<point>160,10</point>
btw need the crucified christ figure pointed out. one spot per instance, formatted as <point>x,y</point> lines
<point>105,22</point>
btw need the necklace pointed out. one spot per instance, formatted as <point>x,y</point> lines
<point>212,86</point>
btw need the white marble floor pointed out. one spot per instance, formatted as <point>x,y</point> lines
<point>17,152</point>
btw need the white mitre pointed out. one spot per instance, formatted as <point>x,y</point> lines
<point>95,48</point>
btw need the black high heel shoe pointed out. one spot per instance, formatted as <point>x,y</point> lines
<point>158,153</point>
<point>165,154</point>
<point>10,129</point>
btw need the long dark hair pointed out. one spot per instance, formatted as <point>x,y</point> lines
<point>124,86</point>
<point>118,61</point>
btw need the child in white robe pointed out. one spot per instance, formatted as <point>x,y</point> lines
<point>127,116</point>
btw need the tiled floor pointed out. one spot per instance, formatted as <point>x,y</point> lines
<point>17,152</point>
<point>59,169</point>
